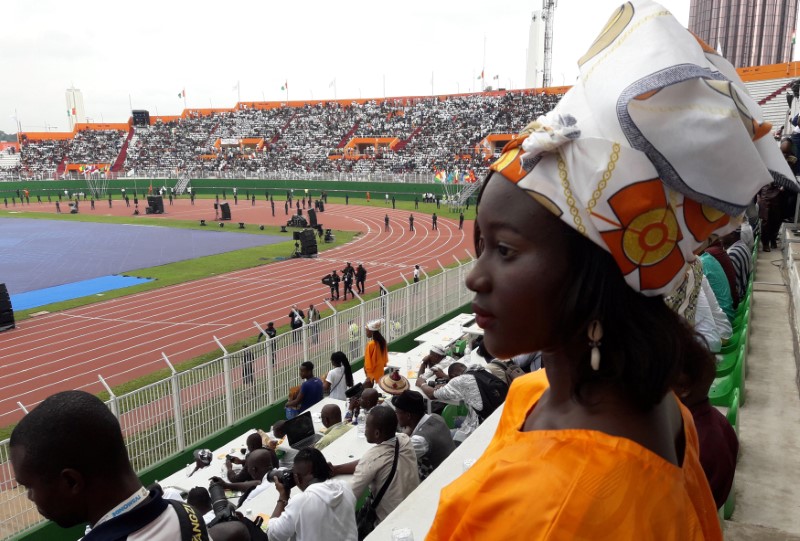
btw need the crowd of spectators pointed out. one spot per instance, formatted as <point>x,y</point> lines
<point>433,133</point>
<point>43,157</point>
<point>95,146</point>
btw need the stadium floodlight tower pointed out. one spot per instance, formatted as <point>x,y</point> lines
<point>548,14</point>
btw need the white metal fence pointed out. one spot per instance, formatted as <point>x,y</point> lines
<point>174,414</point>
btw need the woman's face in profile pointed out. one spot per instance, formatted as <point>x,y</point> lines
<point>521,272</point>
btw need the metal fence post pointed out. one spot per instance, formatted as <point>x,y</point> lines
<point>226,373</point>
<point>444,287</point>
<point>268,345</point>
<point>176,404</point>
<point>427,298</point>
<point>335,317</point>
<point>303,336</point>
<point>114,405</point>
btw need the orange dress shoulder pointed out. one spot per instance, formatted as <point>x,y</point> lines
<point>575,484</point>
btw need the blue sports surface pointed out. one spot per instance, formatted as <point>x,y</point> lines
<point>94,286</point>
<point>41,254</point>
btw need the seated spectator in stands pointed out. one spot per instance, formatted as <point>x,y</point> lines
<point>200,499</point>
<point>741,258</point>
<point>372,470</point>
<point>259,464</point>
<point>435,363</point>
<point>310,390</point>
<point>253,442</point>
<point>429,434</point>
<point>719,284</point>
<point>695,302</point>
<point>338,380</point>
<point>461,386</point>
<point>325,509</point>
<point>719,446</point>
<point>717,250</point>
<point>332,421</point>
<point>281,447</point>
<point>368,400</point>
<point>70,456</point>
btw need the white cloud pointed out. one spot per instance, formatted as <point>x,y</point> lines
<point>151,50</point>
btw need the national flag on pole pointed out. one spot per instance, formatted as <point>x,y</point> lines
<point>182,93</point>
<point>451,177</point>
<point>439,176</point>
<point>496,77</point>
<point>481,75</point>
<point>285,85</point>
<point>472,177</point>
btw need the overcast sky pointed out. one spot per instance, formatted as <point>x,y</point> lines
<point>151,50</point>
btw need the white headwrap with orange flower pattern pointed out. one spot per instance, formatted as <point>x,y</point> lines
<point>656,148</point>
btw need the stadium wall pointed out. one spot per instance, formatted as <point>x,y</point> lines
<point>277,188</point>
<point>264,418</point>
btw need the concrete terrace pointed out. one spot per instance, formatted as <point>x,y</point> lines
<point>768,473</point>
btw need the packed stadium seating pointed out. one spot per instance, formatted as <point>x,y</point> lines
<point>429,134</point>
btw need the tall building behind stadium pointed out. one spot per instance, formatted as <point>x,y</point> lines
<point>746,32</point>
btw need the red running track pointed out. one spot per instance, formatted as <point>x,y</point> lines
<point>123,338</point>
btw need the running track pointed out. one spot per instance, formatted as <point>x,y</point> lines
<point>122,339</point>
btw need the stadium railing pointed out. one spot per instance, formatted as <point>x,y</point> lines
<point>381,176</point>
<point>174,414</point>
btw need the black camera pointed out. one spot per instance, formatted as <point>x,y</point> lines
<point>223,509</point>
<point>286,478</point>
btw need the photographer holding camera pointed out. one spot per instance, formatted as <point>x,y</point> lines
<point>259,464</point>
<point>325,509</point>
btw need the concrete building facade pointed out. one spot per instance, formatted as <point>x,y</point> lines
<point>746,32</point>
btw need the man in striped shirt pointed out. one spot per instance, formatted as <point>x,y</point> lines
<point>741,257</point>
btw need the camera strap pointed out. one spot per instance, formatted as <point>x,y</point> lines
<point>388,482</point>
<point>193,527</point>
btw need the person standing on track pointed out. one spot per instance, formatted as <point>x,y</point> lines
<point>461,221</point>
<point>335,285</point>
<point>272,204</point>
<point>434,222</point>
<point>416,273</point>
<point>313,318</point>
<point>386,223</point>
<point>361,277</point>
<point>347,277</point>
<point>411,223</point>
<point>286,207</point>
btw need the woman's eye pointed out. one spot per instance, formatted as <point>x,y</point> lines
<point>504,251</point>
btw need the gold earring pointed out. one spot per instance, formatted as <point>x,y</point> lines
<point>595,335</point>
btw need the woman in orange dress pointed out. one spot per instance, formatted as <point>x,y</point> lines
<point>376,354</point>
<point>587,219</point>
